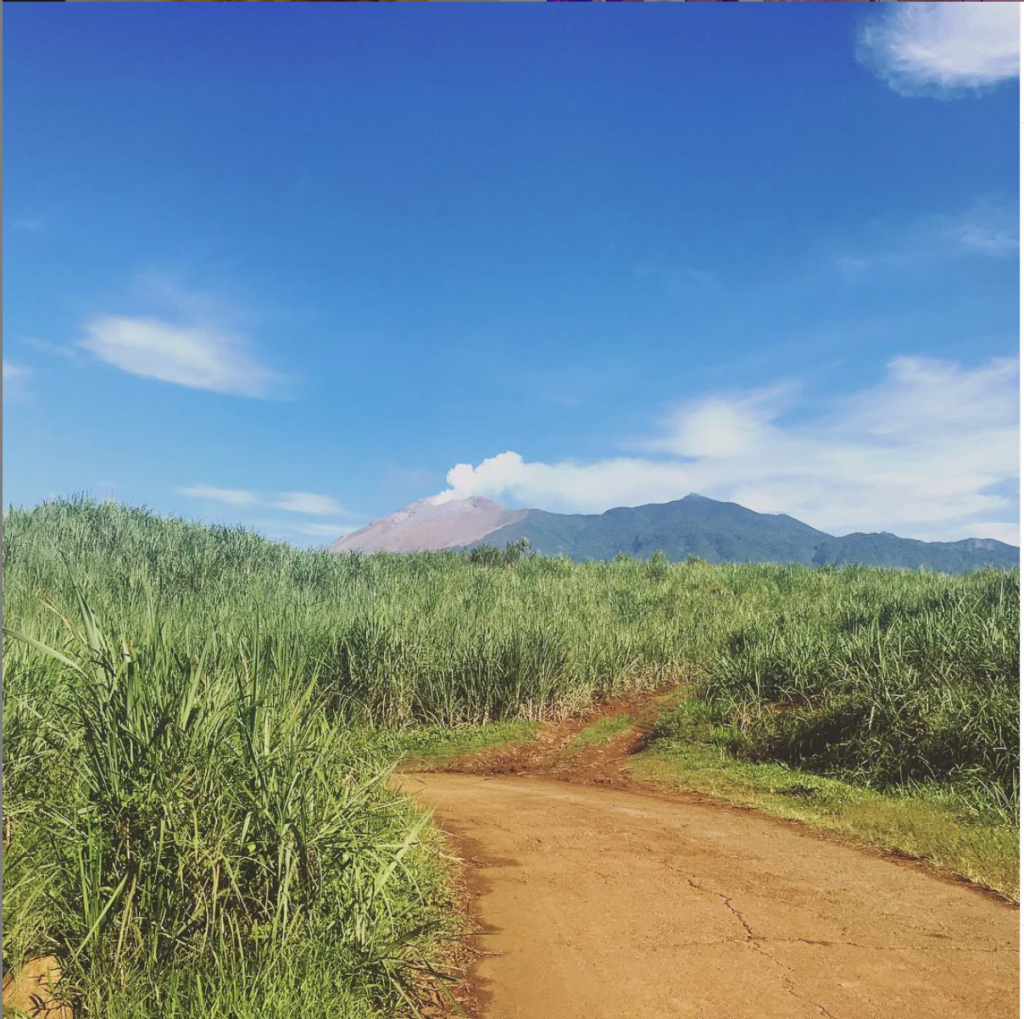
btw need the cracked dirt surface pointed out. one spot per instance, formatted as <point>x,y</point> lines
<point>597,902</point>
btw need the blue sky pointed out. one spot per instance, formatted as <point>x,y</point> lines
<point>298,266</point>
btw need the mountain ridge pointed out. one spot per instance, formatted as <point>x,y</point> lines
<point>694,525</point>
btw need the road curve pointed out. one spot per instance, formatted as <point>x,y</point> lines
<point>612,904</point>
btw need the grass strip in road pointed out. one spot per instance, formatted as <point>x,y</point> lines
<point>439,743</point>
<point>603,731</point>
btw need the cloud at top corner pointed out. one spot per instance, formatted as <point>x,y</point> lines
<point>944,50</point>
<point>196,356</point>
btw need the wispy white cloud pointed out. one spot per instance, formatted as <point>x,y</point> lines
<point>15,378</point>
<point>678,280</point>
<point>323,530</point>
<point>987,238</point>
<point>227,496</point>
<point>12,371</point>
<point>32,223</point>
<point>197,356</point>
<point>311,503</point>
<point>308,502</point>
<point>987,229</point>
<point>930,451</point>
<point>942,49</point>
<point>69,353</point>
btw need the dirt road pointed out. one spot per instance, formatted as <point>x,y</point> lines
<point>607,903</point>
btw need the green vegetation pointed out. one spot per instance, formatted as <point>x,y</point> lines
<point>167,823</point>
<point>439,743</point>
<point>603,731</point>
<point>199,726</point>
<point>724,532</point>
<point>888,682</point>
<point>491,555</point>
<point>186,824</point>
<point>689,751</point>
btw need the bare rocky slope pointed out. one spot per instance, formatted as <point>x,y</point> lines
<point>427,525</point>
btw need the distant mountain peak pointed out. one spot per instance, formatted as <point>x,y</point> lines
<point>693,525</point>
<point>429,524</point>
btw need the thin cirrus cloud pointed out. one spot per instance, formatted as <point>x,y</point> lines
<point>323,530</point>
<point>988,228</point>
<point>15,371</point>
<point>227,496</point>
<point>942,50</point>
<point>309,503</point>
<point>678,281</point>
<point>931,451</point>
<point>15,378</point>
<point>196,356</point>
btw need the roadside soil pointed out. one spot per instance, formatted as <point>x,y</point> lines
<point>553,753</point>
<point>596,898</point>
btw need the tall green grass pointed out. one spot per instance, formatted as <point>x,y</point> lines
<point>190,787</point>
<point>887,679</point>
<point>188,827</point>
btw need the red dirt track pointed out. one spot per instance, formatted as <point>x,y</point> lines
<point>601,902</point>
<point>596,898</point>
